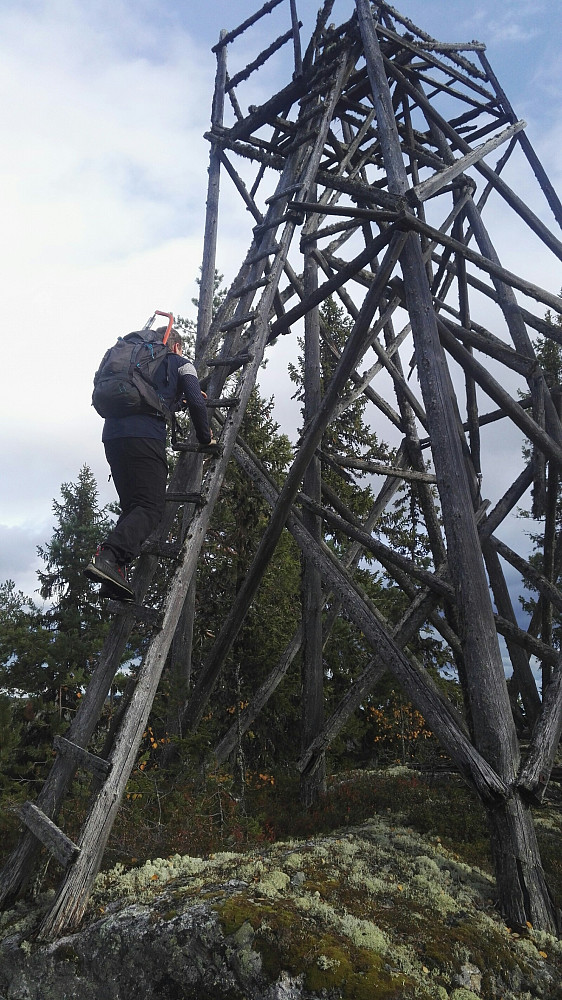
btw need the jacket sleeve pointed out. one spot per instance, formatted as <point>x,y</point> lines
<point>190,391</point>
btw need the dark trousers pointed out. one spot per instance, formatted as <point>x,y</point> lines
<point>139,470</point>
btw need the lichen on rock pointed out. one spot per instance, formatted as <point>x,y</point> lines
<point>373,913</point>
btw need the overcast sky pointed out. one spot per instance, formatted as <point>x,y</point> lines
<point>104,104</point>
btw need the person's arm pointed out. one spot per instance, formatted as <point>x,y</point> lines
<point>190,390</point>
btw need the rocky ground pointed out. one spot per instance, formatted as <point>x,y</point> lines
<point>378,912</point>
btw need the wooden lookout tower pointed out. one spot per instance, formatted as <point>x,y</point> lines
<point>376,176</point>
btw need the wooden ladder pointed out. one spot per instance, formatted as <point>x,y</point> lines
<point>242,328</point>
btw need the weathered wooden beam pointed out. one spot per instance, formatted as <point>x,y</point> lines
<point>150,616</point>
<point>369,253</point>
<point>537,323</point>
<point>349,211</point>
<point>507,193</point>
<point>82,758</point>
<point>524,639</point>
<point>506,503</point>
<point>296,25</point>
<point>452,46</point>
<point>525,143</point>
<point>423,36</point>
<point>183,496</point>
<point>517,655</point>
<point>384,553</point>
<point>496,392</point>
<point>229,36</point>
<point>43,828</point>
<point>486,343</point>
<point>485,263</point>
<point>537,766</point>
<point>542,584</point>
<point>486,108</point>
<point>208,266</point>
<point>262,115</point>
<point>242,189</point>
<point>313,783</point>
<point>430,187</point>
<point>363,381</point>
<point>369,194</point>
<point>496,735</point>
<point>381,469</point>
<point>410,45</point>
<point>416,681</point>
<point>262,58</point>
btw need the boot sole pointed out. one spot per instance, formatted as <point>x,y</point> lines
<point>106,591</point>
<point>118,592</point>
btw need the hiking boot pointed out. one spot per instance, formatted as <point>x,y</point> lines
<point>106,592</point>
<point>103,568</point>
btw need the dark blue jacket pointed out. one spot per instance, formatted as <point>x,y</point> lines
<point>176,380</point>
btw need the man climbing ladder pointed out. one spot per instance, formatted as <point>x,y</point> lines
<point>134,438</point>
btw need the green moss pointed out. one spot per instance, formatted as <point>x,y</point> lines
<point>445,944</point>
<point>357,973</point>
<point>237,911</point>
<point>328,960</point>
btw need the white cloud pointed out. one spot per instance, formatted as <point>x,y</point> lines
<point>18,554</point>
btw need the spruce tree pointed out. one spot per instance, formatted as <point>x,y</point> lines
<point>48,650</point>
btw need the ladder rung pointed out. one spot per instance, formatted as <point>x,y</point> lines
<point>148,615</point>
<point>308,115</point>
<point>235,359</point>
<point>263,253</point>
<point>295,214</point>
<point>263,227</point>
<point>224,402</point>
<point>81,757</point>
<point>166,550</point>
<point>175,496</point>
<point>282,194</point>
<point>233,323</point>
<point>60,846</point>
<point>245,289</point>
<point>211,449</point>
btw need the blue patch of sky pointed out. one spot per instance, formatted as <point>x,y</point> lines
<point>522,39</point>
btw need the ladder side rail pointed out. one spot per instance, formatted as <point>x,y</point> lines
<point>208,266</point>
<point>20,864</point>
<point>72,898</point>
